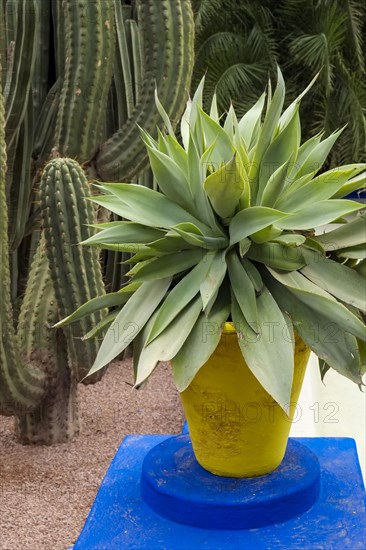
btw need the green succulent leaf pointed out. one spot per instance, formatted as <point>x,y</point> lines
<point>169,342</point>
<point>276,183</point>
<point>267,348</point>
<point>277,255</point>
<point>225,187</point>
<point>123,233</point>
<point>320,188</point>
<point>164,114</point>
<point>209,243</point>
<point>234,229</point>
<point>147,139</point>
<point>303,153</point>
<point>214,113</point>
<point>290,239</point>
<point>184,125</point>
<point>357,252</point>
<point>361,268</point>
<point>201,342</point>
<point>280,151</point>
<point>318,154</point>
<point>130,321</point>
<point>292,186</point>
<point>181,295</point>
<point>196,105</point>
<point>242,288</point>
<point>142,205</point>
<point>177,153</point>
<point>188,228</point>
<point>231,122</point>
<point>215,136</point>
<point>168,265</point>
<point>354,184</point>
<point>170,178</point>
<point>189,118</point>
<point>102,326</point>
<point>250,123</point>
<point>251,220</point>
<point>339,280</point>
<point>320,301</point>
<point>244,246</point>
<point>267,234</point>
<point>142,253</point>
<point>313,244</point>
<point>288,114</point>
<point>170,243</point>
<point>323,368</point>
<point>348,235</point>
<point>211,284</point>
<point>196,176</point>
<point>253,274</point>
<point>325,337</point>
<point>100,302</point>
<point>321,213</point>
<point>267,131</point>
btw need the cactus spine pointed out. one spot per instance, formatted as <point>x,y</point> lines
<point>166,28</point>
<point>20,71</point>
<point>89,31</point>
<point>55,419</point>
<point>22,385</point>
<point>75,269</point>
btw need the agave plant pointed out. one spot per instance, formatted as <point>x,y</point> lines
<point>231,234</point>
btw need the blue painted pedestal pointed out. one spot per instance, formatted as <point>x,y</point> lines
<point>120,518</point>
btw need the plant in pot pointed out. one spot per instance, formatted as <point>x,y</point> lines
<point>233,280</point>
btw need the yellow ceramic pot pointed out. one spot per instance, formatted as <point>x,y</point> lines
<point>236,428</point>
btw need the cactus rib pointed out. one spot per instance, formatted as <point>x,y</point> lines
<point>20,193</point>
<point>40,75</point>
<point>19,84</point>
<point>55,419</point>
<point>123,155</point>
<point>87,75</point>
<point>22,386</point>
<point>44,134</point>
<point>75,270</point>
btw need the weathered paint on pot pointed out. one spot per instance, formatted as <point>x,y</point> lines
<point>236,427</point>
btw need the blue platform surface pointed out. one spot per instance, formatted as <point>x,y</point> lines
<point>175,486</point>
<point>120,520</point>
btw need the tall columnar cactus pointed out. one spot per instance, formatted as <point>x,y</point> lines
<point>66,99</point>
<point>87,27</point>
<point>22,385</point>
<point>75,270</point>
<point>56,417</point>
<point>167,30</point>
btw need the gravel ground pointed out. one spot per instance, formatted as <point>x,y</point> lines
<point>46,492</point>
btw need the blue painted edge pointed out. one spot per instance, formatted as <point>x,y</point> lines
<point>119,518</point>
<point>359,195</point>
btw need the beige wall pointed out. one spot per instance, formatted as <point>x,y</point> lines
<point>336,408</point>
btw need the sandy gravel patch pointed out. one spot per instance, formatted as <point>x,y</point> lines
<point>46,492</point>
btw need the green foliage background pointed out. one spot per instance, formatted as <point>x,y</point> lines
<point>239,42</point>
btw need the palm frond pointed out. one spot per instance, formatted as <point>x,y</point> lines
<point>240,45</point>
<point>352,50</point>
<point>205,10</point>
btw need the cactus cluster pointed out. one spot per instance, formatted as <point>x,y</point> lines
<point>77,79</point>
